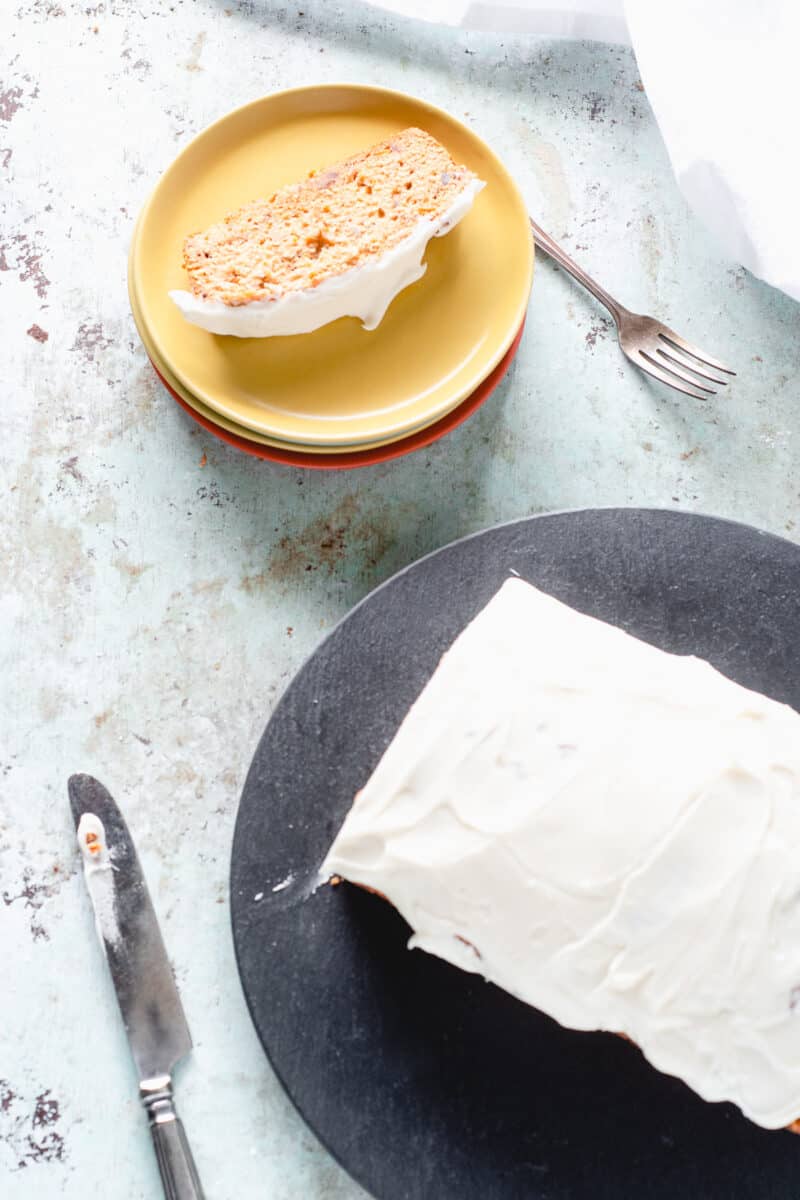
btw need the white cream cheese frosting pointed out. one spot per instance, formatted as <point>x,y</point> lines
<point>99,871</point>
<point>608,832</point>
<point>365,291</point>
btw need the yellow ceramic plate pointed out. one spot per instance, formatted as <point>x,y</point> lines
<point>216,418</point>
<point>209,414</point>
<point>339,385</point>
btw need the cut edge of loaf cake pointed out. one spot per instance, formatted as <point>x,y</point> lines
<point>337,218</point>
<point>344,242</point>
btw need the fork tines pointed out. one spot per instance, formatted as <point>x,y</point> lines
<point>683,366</point>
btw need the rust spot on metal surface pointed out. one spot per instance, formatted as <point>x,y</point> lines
<point>193,61</point>
<point>37,333</point>
<point>70,467</point>
<point>46,9</point>
<point>6,154</point>
<point>230,779</point>
<point>212,493</point>
<point>204,460</point>
<point>90,340</point>
<point>131,570</point>
<point>687,454</point>
<point>102,717</point>
<point>738,277</point>
<point>33,896</point>
<point>598,330</point>
<point>597,104</point>
<point>10,103</point>
<point>208,587</point>
<point>323,546</point>
<point>28,1129</point>
<point>183,772</point>
<point>20,253</point>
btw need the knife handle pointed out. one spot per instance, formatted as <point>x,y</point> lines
<point>178,1172</point>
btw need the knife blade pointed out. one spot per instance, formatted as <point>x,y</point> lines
<point>151,1008</point>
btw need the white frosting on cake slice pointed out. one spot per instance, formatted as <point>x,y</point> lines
<point>365,291</point>
<point>608,832</point>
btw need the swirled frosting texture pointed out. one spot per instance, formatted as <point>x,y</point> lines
<point>608,832</point>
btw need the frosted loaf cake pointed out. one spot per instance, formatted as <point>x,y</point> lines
<point>610,833</point>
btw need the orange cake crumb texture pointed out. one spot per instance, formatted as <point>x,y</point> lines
<point>334,220</point>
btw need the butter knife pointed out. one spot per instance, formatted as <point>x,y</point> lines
<point>148,998</point>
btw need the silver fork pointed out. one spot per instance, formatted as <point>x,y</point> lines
<point>651,346</point>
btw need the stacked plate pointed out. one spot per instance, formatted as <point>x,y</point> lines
<point>338,397</point>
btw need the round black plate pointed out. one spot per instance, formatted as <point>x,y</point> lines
<point>424,1082</point>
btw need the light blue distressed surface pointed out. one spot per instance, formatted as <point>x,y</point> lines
<point>153,608</point>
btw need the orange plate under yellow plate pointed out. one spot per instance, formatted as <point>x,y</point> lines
<point>184,396</point>
<point>339,385</point>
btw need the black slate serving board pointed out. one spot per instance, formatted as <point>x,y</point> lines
<point>424,1082</point>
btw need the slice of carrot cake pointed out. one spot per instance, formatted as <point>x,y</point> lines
<point>343,242</point>
<point>608,832</point>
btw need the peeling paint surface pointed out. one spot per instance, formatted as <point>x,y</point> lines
<point>160,589</point>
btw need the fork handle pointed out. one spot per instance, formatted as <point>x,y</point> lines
<point>546,243</point>
<point>175,1163</point>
